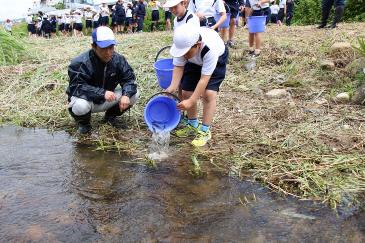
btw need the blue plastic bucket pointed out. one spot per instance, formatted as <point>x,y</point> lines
<point>163,69</point>
<point>225,24</point>
<point>161,113</point>
<point>256,24</point>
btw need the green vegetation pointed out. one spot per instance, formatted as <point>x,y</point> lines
<point>12,50</point>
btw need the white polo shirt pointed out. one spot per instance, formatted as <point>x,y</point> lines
<point>88,15</point>
<point>209,8</point>
<point>104,11</point>
<point>282,3</point>
<point>254,7</point>
<point>274,9</point>
<point>214,42</point>
<point>189,17</point>
<point>29,20</point>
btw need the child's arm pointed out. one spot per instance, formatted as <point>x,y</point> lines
<point>199,90</point>
<point>176,78</point>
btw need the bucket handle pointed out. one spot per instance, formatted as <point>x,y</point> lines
<point>165,93</point>
<point>160,51</point>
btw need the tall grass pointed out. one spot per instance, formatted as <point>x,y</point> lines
<point>12,50</point>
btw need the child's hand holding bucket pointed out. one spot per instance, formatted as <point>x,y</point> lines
<point>185,104</point>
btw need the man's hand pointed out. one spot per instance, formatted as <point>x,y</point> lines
<point>185,104</point>
<point>124,103</point>
<point>110,96</point>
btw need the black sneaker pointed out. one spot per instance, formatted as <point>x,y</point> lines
<point>321,26</point>
<point>84,129</point>
<point>251,52</point>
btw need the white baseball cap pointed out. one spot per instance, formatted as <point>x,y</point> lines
<point>103,37</point>
<point>171,3</point>
<point>185,37</point>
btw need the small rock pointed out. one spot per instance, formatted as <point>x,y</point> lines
<point>277,93</point>
<point>340,46</point>
<point>346,127</point>
<point>342,97</point>
<point>327,65</point>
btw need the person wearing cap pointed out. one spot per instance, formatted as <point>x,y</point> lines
<point>260,8</point>
<point>104,13</point>
<point>94,76</point>
<point>183,16</point>
<point>78,25</point>
<point>200,59</point>
<point>88,14</point>
<point>206,10</point>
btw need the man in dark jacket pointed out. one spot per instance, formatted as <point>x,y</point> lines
<point>140,14</point>
<point>94,75</point>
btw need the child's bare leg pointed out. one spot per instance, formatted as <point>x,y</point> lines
<point>209,106</point>
<point>232,27</point>
<point>251,38</point>
<point>258,42</point>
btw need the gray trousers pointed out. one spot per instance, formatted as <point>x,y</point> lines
<point>81,107</point>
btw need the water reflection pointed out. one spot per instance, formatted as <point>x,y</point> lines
<point>54,190</point>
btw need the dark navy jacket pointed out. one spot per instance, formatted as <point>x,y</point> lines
<point>140,10</point>
<point>90,78</point>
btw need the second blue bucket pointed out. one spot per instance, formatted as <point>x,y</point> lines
<point>161,113</point>
<point>256,24</point>
<point>163,69</point>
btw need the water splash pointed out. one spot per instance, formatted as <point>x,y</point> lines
<point>159,147</point>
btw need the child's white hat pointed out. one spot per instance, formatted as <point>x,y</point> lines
<point>171,3</point>
<point>185,37</point>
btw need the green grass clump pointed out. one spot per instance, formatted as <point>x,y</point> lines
<point>12,50</point>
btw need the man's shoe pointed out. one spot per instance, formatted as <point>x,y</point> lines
<point>187,131</point>
<point>84,128</point>
<point>321,26</point>
<point>113,121</point>
<point>202,138</point>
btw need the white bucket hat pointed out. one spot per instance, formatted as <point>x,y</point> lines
<point>171,3</point>
<point>185,37</point>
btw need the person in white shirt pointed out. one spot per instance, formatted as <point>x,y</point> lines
<point>31,26</point>
<point>61,24</point>
<point>274,13</point>
<point>260,8</point>
<point>78,26</point>
<point>96,19</point>
<point>88,14</point>
<point>200,59</point>
<point>155,5</point>
<point>8,25</point>
<point>183,16</point>
<point>206,10</point>
<point>129,17</point>
<point>104,12</point>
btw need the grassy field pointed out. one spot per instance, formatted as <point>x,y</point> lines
<point>305,144</point>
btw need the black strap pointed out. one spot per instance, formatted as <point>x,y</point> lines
<point>212,4</point>
<point>204,51</point>
<point>189,17</point>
